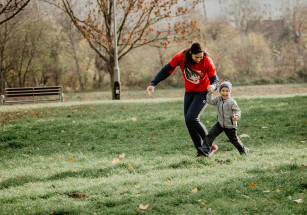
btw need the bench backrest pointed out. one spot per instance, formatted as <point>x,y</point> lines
<point>32,91</point>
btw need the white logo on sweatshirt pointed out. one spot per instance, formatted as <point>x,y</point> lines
<point>190,76</point>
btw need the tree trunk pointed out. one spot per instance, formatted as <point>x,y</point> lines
<point>110,70</point>
<point>77,63</point>
<point>2,69</point>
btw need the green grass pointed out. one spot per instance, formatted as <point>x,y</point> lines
<point>256,90</point>
<point>48,151</point>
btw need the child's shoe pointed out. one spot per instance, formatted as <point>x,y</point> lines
<point>214,148</point>
<point>246,151</point>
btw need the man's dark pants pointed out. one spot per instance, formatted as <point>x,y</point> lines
<point>194,104</point>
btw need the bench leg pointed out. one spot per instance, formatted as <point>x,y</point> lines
<point>62,97</point>
<point>2,99</point>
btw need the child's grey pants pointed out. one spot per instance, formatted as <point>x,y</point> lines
<point>194,104</point>
<point>231,133</point>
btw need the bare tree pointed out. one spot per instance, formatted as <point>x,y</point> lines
<point>140,23</point>
<point>245,14</point>
<point>10,8</point>
<point>296,20</point>
<point>8,32</point>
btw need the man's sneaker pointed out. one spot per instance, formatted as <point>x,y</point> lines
<point>214,148</point>
<point>201,152</point>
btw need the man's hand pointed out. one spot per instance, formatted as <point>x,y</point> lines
<point>150,89</point>
<point>235,118</point>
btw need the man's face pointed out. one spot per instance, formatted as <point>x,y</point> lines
<point>197,57</point>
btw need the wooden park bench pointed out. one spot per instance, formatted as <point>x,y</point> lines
<point>32,95</point>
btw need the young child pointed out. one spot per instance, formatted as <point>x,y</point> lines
<point>228,114</point>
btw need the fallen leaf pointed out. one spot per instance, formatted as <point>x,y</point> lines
<point>121,117</point>
<point>253,185</point>
<point>255,202</point>
<point>272,201</point>
<point>123,155</point>
<point>153,137</point>
<point>62,131</point>
<point>277,190</point>
<point>182,183</point>
<point>143,207</point>
<point>73,159</point>
<point>32,112</point>
<point>130,166</point>
<point>169,182</point>
<point>58,157</point>
<point>195,190</point>
<point>302,141</point>
<point>298,201</point>
<point>19,178</point>
<point>244,136</point>
<point>153,147</point>
<point>302,165</point>
<point>0,175</point>
<point>133,119</point>
<point>77,195</point>
<point>270,163</point>
<point>115,161</point>
<point>73,171</point>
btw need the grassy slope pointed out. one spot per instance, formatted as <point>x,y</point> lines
<point>47,152</point>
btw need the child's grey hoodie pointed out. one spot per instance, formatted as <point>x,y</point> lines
<point>226,110</point>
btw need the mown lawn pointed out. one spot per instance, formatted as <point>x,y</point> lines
<point>123,154</point>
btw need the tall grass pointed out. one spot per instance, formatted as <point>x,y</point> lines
<point>124,154</point>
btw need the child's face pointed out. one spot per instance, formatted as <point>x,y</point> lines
<point>225,93</point>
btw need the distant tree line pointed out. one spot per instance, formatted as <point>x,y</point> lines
<point>46,44</point>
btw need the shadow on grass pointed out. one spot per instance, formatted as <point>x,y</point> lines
<point>85,173</point>
<point>233,196</point>
<point>235,193</point>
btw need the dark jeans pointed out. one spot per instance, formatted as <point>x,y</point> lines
<point>194,104</point>
<point>231,133</point>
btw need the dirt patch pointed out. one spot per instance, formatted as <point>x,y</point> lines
<point>77,195</point>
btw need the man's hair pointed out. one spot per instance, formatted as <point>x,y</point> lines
<point>194,49</point>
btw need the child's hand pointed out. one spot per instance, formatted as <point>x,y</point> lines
<point>211,89</point>
<point>235,118</point>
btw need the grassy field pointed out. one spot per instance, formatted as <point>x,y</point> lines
<point>238,91</point>
<point>110,157</point>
